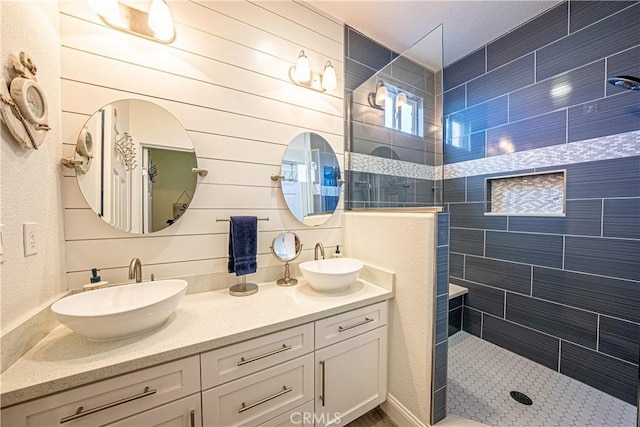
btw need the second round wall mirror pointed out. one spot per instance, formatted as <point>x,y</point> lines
<point>310,179</point>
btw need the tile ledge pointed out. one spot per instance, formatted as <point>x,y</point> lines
<point>456,290</point>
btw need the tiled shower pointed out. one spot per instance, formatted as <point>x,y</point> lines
<point>563,291</point>
<point>563,288</point>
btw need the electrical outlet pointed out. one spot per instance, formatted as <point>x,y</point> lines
<point>30,238</point>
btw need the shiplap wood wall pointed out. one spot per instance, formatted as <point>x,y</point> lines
<point>225,78</point>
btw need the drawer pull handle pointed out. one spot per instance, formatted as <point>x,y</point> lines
<point>246,407</point>
<point>244,361</point>
<point>192,418</point>
<point>355,325</point>
<point>80,413</point>
<point>322,383</point>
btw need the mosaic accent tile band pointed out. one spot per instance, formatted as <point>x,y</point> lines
<point>604,148</point>
<point>380,165</point>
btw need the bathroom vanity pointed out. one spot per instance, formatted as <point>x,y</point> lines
<point>284,356</point>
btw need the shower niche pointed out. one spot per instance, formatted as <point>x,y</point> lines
<point>535,194</point>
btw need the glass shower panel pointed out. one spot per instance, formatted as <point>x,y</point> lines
<point>395,130</point>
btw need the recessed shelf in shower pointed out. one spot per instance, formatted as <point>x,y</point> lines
<point>532,194</point>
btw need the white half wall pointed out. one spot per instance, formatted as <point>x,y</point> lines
<point>404,243</point>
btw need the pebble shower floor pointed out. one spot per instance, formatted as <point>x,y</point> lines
<point>481,375</point>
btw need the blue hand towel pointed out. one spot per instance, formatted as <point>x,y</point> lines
<point>243,245</point>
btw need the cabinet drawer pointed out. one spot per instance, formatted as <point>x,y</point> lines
<point>302,416</point>
<point>229,363</point>
<point>181,413</point>
<point>257,398</point>
<point>106,401</point>
<point>346,325</point>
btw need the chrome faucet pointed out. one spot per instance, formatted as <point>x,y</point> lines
<point>135,270</point>
<point>315,251</point>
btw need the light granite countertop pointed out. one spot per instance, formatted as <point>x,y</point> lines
<point>201,322</point>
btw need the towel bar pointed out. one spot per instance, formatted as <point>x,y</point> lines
<point>243,288</point>
<point>227,219</point>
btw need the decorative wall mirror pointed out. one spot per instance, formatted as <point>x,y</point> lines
<point>136,166</point>
<point>310,178</point>
<point>286,247</point>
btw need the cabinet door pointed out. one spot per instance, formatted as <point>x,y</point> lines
<point>181,413</point>
<point>351,378</point>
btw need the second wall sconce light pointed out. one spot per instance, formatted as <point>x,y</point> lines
<point>377,99</point>
<point>302,75</point>
<point>156,24</point>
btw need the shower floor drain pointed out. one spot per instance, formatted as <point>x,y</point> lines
<point>521,398</point>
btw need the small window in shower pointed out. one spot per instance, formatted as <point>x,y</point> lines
<point>403,111</point>
<point>532,194</point>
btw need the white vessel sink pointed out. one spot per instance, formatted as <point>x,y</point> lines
<point>120,311</point>
<point>331,275</point>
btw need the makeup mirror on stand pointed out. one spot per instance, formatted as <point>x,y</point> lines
<point>286,247</point>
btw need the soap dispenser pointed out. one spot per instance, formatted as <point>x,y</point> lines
<point>95,281</point>
<point>337,253</point>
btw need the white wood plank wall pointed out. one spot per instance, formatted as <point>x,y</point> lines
<point>225,78</point>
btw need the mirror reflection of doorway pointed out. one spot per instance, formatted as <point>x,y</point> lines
<point>164,185</point>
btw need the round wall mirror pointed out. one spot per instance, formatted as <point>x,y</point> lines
<point>137,166</point>
<point>310,178</point>
<point>286,247</point>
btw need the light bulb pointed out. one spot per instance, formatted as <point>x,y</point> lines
<point>401,99</point>
<point>160,20</point>
<point>381,94</point>
<point>108,9</point>
<point>329,79</point>
<point>303,69</point>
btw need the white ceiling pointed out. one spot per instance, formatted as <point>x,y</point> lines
<point>467,25</point>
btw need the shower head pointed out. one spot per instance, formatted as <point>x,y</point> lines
<point>625,82</point>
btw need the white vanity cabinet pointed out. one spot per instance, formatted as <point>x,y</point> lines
<point>351,375</point>
<point>139,395</point>
<point>326,371</point>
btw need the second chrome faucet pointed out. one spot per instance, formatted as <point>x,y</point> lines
<point>315,251</point>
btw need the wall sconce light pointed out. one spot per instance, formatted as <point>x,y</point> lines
<point>156,25</point>
<point>401,99</point>
<point>377,99</point>
<point>302,75</point>
<point>329,79</point>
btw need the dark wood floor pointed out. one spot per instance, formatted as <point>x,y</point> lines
<point>374,418</point>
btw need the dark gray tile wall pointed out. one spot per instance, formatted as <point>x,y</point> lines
<point>610,375</point>
<point>533,35</point>
<point>442,316</point>
<point>455,315</point>
<point>563,291</point>
<point>526,342</point>
<point>539,68</point>
<point>619,338</point>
